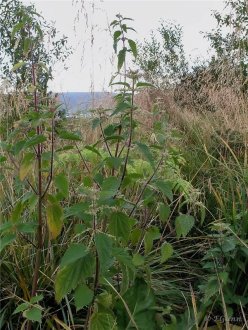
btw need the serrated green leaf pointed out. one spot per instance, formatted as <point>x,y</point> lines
<point>104,245</point>
<point>83,296</point>
<point>121,107</point>
<point>228,244</point>
<point>151,234</point>
<point>105,299</point>
<point>95,122</point>
<point>70,276</point>
<point>109,188</point>
<point>114,162</point>
<point>35,140</point>
<point>102,321</point>
<point>141,303</point>
<point>93,149</point>
<point>79,210</point>
<point>133,46</point>
<point>164,212</point>
<point>146,152</point>
<point>62,184</point>
<point>165,187</point>
<point>33,314</point>
<point>73,253</point>
<point>120,225</point>
<point>166,252</point>
<point>123,257</point>
<point>184,223</point>
<point>69,136</point>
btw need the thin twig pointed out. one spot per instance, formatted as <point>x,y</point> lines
<point>51,162</point>
<point>86,165</point>
<point>105,141</point>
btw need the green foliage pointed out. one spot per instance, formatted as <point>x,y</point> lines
<point>166,251</point>
<point>184,224</point>
<point>22,35</point>
<point>102,321</point>
<point>141,303</point>
<point>83,296</point>
<point>114,228</point>
<point>161,58</point>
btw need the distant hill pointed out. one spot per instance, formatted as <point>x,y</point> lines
<point>81,102</point>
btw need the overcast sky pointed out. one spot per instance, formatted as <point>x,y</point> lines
<point>90,67</point>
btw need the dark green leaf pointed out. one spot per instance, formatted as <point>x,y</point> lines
<point>117,34</point>
<point>165,187</point>
<point>166,252</point>
<point>164,212</point>
<point>151,234</point>
<point>123,257</point>
<point>133,46</point>
<point>121,58</point>
<point>83,296</point>
<point>73,253</point>
<point>102,321</point>
<point>114,162</point>
<point>120,225</point>
<point>93,149</point>
<point>78,210</point>
<point>141,303</point>
<point>184,224</point>
<point>69,136</point>
<point>109,188</point>
<point>104,246</point>
<point>146,152</point>
<point>69,277</point>
<point>62,184</point>
<point>35,140</point>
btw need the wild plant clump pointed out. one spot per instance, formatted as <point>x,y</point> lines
<point>132,219</point>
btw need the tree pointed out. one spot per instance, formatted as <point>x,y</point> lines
<point>229,40</point>
<point>162,58</point>
<point>23,40</point>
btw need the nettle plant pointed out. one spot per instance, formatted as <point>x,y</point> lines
<point>118,213</point>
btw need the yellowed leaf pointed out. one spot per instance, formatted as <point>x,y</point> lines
<point>26,165</point>
<point>54,214</point>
